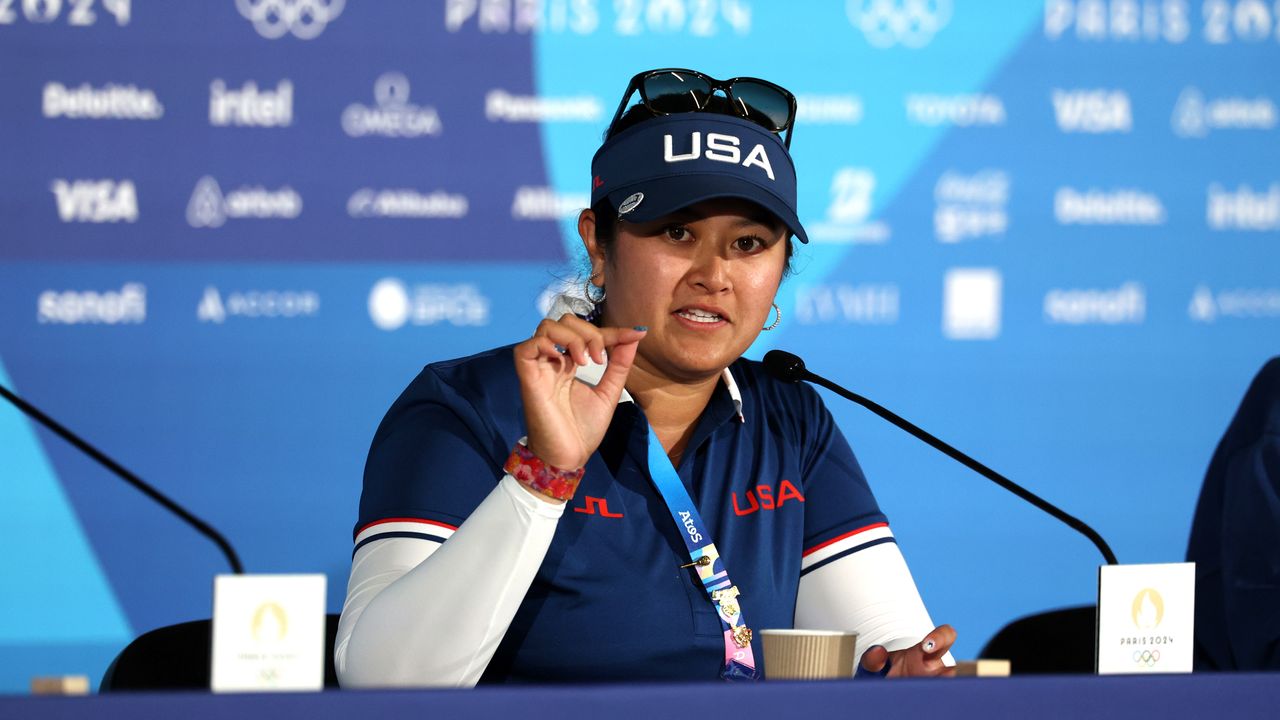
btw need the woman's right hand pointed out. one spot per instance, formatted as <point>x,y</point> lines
<point>566,419</point>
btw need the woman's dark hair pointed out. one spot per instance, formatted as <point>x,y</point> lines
<point>607,215</point>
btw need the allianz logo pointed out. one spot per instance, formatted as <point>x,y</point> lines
<point>209,207</point>
<point>393,115</point>
<point>1125,305</point>
<point>862,304</point>
<point>1092,111</point>
<point>406,203</point>
<point>544,203</point>
<point>110,102</point>
<point>1206,306</point>
<point>1243,208</point>
<point>214,308</point>
<point>95,201</point>
<point>955,110</point>
<point>499,105</point>
<point>910,23</point>
<point>829,109</point>
<point>1125,206</point>
<point>249,106</point>
<point>393,304</point>
<point>970,206</point>
<point>126,306</point>
<point>1195,117</point>
<point>1121,20</point>
<point>848,214</point>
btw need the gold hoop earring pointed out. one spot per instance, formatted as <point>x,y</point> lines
<point>586,291</point>
<point>777,318</point>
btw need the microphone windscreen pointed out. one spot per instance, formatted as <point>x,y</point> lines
<point>784,366</point>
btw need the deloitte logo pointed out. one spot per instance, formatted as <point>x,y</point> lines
<point>111,102</point>
<point>909,23</point>
<point>394,115</point>
<point>305,19</point>
<point>392,305</point>
<point>208,207</point>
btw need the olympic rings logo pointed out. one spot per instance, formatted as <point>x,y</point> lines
<point>304,18</point>
<point>1146,658</point>
<point>911,23</point>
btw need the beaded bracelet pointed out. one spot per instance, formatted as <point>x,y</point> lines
<point>529,470</point>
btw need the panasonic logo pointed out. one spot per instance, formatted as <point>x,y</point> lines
<point>500,105</point>
<point>403,203</point>
<point>127,306</point>
<point>111,102</point>
<point>1107,207</point>
<point>1125,305</point>
<point>95,201</point>
<point>249,106</point>
<point>544,203</point>
<point>1243,208</point>
<point>1092,111</point>
<point>957,110</point>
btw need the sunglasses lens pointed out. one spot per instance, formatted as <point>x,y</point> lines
<point>676,92</point>
<point>762,104</point>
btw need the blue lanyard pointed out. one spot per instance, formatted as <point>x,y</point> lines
<point>739,662</point>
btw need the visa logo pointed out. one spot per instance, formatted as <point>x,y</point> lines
<point>96,201</point>
<point>1092,111</point>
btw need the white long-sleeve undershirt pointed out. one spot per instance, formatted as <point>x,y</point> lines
<point>420,613</point>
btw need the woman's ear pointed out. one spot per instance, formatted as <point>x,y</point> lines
<point>595,251</point>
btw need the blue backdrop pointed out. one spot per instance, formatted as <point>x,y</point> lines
<point>232,231</point>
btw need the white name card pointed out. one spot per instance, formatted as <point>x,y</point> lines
<point>268,632</point>
<point>1146,618</point>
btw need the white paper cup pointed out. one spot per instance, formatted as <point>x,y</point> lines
<point>808,654</point>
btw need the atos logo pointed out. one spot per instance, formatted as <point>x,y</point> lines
<point>96,201</point>
<point>910,23</point>
<point>1092,111</point>
<point>306,19</point>
<point>686,518</point>
<point>763,498</point>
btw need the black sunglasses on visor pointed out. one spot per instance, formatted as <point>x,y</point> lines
<point>675,90</point>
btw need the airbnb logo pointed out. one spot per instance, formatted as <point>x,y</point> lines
<point>595,504</point>
<point>762,498</point>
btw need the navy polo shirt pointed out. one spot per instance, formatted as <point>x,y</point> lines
<point>610,601</point>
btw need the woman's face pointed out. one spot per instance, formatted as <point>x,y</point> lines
<point>702,280</point>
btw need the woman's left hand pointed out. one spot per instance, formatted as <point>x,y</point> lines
<point>924,659</point>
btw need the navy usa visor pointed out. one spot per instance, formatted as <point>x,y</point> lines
<point>671,162</point>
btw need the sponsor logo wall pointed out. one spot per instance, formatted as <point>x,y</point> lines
<point>1033,225</point>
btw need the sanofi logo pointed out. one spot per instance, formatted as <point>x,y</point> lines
<point>392,305</point>
<point>888,23</point>
<point>971,304</point>
<point>95,201</point>
<point>126,306</point>
<point>1125,305</point>
<point>393,115</point>
<point>305,19</point>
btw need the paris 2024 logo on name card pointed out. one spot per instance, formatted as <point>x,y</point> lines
<point>1146,618</point>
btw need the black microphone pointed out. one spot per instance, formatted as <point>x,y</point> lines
<point>785,366</point>
<point>200,526</point>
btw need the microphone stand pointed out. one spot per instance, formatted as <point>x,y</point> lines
<point>201,526</point>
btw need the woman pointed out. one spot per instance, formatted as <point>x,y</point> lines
<point>662,495</point>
